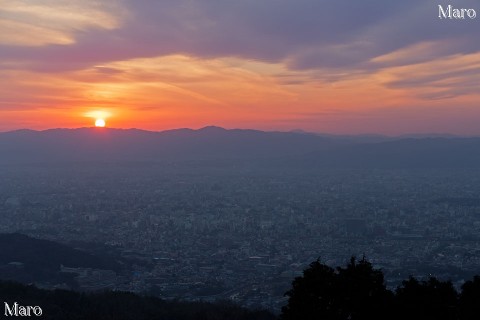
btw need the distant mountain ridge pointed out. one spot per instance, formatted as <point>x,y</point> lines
<point>219,144</point>
<point>138,145</point>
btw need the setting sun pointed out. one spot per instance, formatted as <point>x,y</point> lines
<point>100,123</point>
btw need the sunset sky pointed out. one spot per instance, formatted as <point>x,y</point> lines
<point>366,66</point>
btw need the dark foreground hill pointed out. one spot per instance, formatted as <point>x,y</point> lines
<point>30,260</point>
<point>218,144</point>
<point>355,292</point>
<point>65,305</point>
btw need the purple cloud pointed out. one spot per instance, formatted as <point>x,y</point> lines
<point>307,34</point>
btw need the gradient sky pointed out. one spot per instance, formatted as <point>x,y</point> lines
<point>366,66</point>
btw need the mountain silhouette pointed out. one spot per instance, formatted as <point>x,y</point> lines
<point>219,144</point>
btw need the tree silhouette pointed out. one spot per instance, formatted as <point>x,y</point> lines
<point>469,302</point>
<point>365,295</point>
<point>314,295</point>
<point>424,300</point>
<point>355,292</point>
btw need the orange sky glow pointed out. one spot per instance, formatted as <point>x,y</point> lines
<point>184,72</point>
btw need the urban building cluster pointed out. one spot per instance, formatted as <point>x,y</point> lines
<point>208,233</point>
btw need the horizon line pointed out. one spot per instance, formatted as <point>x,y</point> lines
<point>293,131</point>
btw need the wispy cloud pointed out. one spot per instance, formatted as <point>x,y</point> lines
<point>37,23</point>
<point>242,59</point>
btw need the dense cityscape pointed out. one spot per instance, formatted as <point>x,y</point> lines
<point>242,233</point>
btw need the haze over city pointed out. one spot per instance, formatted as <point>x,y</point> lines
<point>207,159</point>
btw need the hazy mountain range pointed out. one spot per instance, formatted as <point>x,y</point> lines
<point>214,143</point>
